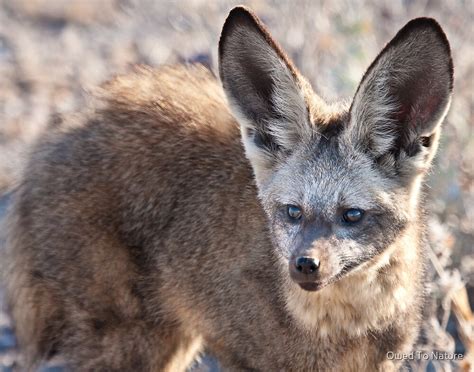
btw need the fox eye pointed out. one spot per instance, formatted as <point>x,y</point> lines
<point>352,215</point>
<point>294,212</point>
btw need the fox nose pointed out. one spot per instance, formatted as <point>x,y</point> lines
<point>306,265</point>
<point>304,270</point>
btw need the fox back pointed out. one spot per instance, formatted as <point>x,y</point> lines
<point>255,222</point>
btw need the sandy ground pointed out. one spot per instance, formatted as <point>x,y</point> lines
<point>52,52</point>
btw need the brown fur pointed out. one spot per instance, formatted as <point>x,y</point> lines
<point>145,235</point>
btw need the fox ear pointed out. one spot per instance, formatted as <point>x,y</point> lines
<point>264,90</point>
<point>403,98</point>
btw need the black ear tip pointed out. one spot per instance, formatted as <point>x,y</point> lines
<point>239,16</point>
<point>428,32</point>
<point>431,26</point>
<point>425,24</point>
<point>240,11</point>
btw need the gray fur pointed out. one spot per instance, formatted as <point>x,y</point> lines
<point>148,234</point>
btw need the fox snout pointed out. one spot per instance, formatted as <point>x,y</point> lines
<point>314,267</point>
<point>304,270</point>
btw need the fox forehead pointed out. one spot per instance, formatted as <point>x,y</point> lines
<point>329,173</point>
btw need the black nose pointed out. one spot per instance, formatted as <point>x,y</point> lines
<point>307,265</point>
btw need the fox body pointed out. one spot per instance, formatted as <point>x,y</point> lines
<point>274,231</point>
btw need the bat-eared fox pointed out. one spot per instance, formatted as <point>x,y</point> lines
<point>246,218</point>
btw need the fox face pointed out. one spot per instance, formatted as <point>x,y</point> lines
<point>338,183</point>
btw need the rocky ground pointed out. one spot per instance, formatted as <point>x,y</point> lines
<point>52,52</point>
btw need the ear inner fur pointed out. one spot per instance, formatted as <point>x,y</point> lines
<point>268,96</point>
<point>404,95</point>
<point>246,13</point>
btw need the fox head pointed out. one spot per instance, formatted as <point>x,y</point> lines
<point>338,183</point>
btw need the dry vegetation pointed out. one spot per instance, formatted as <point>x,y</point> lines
<point>53,51</point>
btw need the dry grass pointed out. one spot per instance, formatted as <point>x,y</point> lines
<point>53,51</point>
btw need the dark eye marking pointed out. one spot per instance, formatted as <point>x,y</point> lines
<point>294,212</point>
<point>352,215</point>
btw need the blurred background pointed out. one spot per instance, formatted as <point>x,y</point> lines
<point>52,52</point>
